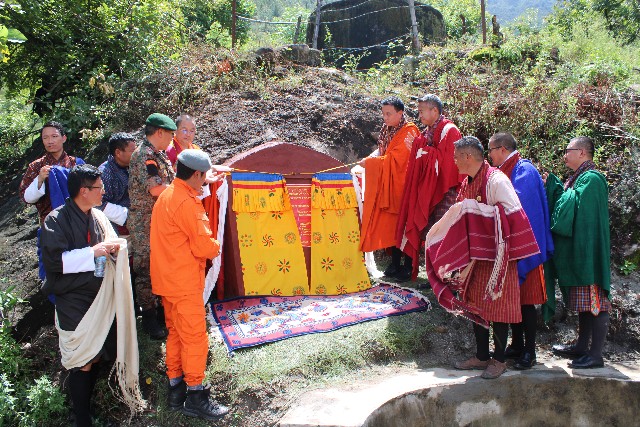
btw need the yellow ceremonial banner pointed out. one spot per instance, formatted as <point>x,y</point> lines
<point>337,265</point>
<point>270,249</point>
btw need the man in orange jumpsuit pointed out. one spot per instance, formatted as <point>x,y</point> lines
<point>181,242</point>
<point>385,171</point>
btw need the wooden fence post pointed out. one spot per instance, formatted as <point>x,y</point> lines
<point>316,31</point>
<point>414,28</point>
<point>484,22</point>
<point>234,16</point>
<point>296,36</point>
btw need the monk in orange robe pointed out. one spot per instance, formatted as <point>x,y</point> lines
<point>385,171</point>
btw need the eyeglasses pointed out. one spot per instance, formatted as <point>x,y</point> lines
<point>494,148</point>
<point>94,187</point>
<point>187,131</point>
<point>566,150</point>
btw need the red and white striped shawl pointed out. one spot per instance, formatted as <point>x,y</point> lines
<point>494,228</point>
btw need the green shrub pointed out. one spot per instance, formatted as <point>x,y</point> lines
<point>45,403</point>
<point>18,125</point>
<point>7,401</point>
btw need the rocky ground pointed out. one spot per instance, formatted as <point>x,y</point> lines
<point>321,111</point>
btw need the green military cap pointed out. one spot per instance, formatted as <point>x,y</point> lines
<point>161,121</point>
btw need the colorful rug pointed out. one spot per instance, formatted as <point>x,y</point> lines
<point>250,321</point>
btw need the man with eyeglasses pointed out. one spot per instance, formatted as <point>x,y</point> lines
<point>581,263</point>
<point>530,189</point>
<point>150,172</point>
<point>74,236</point>
<point>183,140</point>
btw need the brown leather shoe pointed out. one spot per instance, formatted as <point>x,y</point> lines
<point>472,363</point>
<point>494,370</point>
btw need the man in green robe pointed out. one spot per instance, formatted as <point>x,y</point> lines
<point>581,264</point>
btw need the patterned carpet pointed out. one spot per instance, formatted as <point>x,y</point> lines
<point>249,321</point>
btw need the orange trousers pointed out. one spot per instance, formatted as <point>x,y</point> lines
<point>187,343</point>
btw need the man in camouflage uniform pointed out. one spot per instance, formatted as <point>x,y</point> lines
<point>150,172</point>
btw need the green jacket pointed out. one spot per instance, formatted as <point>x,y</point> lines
<point>580,228</point>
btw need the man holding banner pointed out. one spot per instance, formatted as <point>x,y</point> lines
<point>385,171</point>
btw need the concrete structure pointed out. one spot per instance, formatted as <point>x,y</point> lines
<point>548,394</point>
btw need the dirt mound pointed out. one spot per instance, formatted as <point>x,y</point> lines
<point>318,111</point>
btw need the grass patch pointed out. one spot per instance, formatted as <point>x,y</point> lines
<point>269,377</point>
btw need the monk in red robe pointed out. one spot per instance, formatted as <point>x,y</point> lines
<point>385,171</point>
<point>432,178</point>
<point>183,139</point>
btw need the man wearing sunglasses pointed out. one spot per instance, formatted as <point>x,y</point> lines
<point>581,263</point>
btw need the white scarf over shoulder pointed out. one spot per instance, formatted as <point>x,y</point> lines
<point>114,298</point>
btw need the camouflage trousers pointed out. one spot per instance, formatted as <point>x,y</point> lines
<point>141,266</point>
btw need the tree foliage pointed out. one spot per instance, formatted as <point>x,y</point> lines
<point>622,17</point>
<point>69,42</point>
<point>454,11</point>
<point>214,17</point>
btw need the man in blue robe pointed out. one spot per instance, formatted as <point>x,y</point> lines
<point>531,191</point>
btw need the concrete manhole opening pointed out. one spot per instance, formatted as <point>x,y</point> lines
<point>522,400</point>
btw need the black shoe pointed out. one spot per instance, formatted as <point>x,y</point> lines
<point>199,405</point>
<point>404,274</point>
<point>526,361</point>
<point>512,353</point>
<point>567,350</point>
<point>586,362</point>
<point>151,326</point>
<point>423,286</point>
<point>176,396</point>
<point>391,271</point>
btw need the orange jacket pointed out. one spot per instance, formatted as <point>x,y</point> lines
<point>385,176</point>
<point>181,242</point>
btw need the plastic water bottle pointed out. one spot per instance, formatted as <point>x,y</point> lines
<point>100,261</point>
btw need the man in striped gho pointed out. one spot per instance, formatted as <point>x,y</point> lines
<point>481,237</point>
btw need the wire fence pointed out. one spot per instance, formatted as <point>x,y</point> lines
<point>274,33</point>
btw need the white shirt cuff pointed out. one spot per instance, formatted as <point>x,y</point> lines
<point>116,213</point>
<point>32,194</point>
<point>376,153</point>
<point>78,261</point>
<point>206,192</point>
